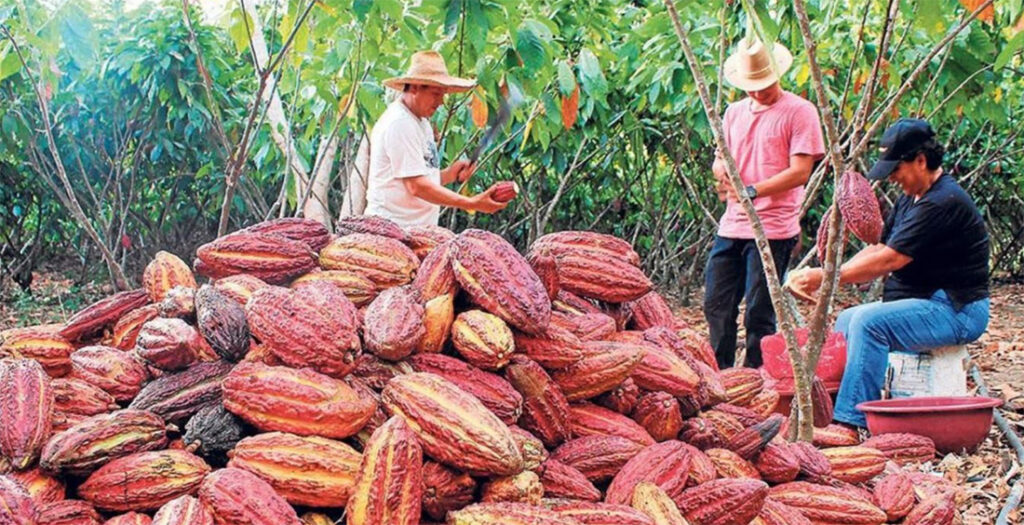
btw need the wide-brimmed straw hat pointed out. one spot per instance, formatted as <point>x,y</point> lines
<point>750,67</point>
<point>427,69</point>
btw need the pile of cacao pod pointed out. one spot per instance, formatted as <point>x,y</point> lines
<point>390,377</point>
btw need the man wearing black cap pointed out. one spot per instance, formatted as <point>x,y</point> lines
<point>935,251</point>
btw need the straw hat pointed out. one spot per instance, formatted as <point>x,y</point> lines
<point>427,68</point>
<point>750,67</point>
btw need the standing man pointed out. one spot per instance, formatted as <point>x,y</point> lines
<point>405,182</point>
<point>936,248</point>
<point>775,137</point>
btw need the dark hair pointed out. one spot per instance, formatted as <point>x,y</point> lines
<point>932,151</point>
<point>405,87</point>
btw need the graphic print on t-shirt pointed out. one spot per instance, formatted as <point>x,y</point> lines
<point>430,154</point>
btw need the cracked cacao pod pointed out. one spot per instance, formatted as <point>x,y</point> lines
<point>723,501</point>
<point>667,465</point>
<point>822,503</point>
<point>454,427</point>
<point>492,390</point>
<point>68,512</point>
<point>423,239</point>
<point>777,463</point>
<point>903,448</point>
<point>562,481</point>
<point>144,481</point>
<point>372,224</point>
<point>126,330</point>
<point>749,441</point>
<point>237,497</point>
<point>500,280</point>
<point>183,510</point>
<point>212,432</point>
<point>16,505</point>
<point>385,261</point>
<point>168,344</point>
<point>855,464</point>
<point>313,326</point>
<point>393,324</point>
<point>731,465</point>
<point>359,289</point>
<point>310,232</point>
<point>588,419</point>
<point>271,257</point>
<point>26,405</point>
<point>86,446</point>
<point>301,402</point>
<point>662,370</point>
<point>545,408</point>
<point>652,310</point>
<point>587,327</point>
<point>653,501</point>
<point>445,490</point>
<point>239,287</point>
<point>741,384</point>
<point>507,513</point>
<point>438,316</point>
<point>658,413</point>
<point>435,276</point>
<point>622,399</point>
<point>137,518</point>
<point>835,435</point>
<point>595,265</point>
<point>305,470</point>
<point>91,320</point>
<point>222,323</point>
<point>553,348</point>
<point>894,494</point>
<point>775,513</point>
<point>390,483</point>
<point>597,513</point>
<point>164,272</point>
<point>814,465</point>
<point>530,446</point>
<point>859,207</point>
<point>41,487</point>
<point>604,366</point>
<point>546,267</point>
<point>177,397</point>
<point>40,344</point>
<point>524,487</point>
<point>597,457</point>
<point>482,339</point>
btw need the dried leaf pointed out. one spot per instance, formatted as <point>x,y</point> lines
<point>478,109</point>
<point>571,108</point>
<point>987,15</point>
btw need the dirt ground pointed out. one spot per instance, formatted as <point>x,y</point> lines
<point>986,475</point>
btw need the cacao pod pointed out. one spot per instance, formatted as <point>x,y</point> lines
<point>859,207</point>
<point>506,513</point>
<point>438,316</point>
<point>239,287</point>
<point>658,413</point>
<point>492,390</point>
<point>652,310</point>
<point>237,497</point>
<point>41,487</point>
<point>731,465</point>
<point>821,503</point>
<point>723,501</point>
<point>667,465</point>
<point>222,322</point>
<point>45,346</point>
<point>91,443</point>
<point>310,232</point>
<point>212,432</point>
<point>445,490</point>
<point>372,224</point>
<point>435,276</point>
<point>16,506</point>
<point>777,463</point>
<point>390,484</point>
<point>903,448</point>
<point>144,481</point>
<point>596,513</point>
<point>855,464</point>
<point>183,510</point>
<point>482,339</point>
<point>894,494</point>
<point>271,257</point>
<point>164,272</point>
<point>545,408</point>
<point>604,366</point>
<point>68,512</point>
<point>562,481</point>
<point>423,239</point>
<point>587,419</point>
<point>524,487</point>
<point>653,501</point>
<point>393,324</point>
<point>359,289</point>
<point>26,405</point>
<point>385,261</point>
<point>92,319</point>
<point>597,457</point>
<point>126,330</point>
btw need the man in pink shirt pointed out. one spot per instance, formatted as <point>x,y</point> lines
<point>775,137</point>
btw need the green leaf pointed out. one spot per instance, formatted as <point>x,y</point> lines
<point>530,48</point>
<point>77,33</point>
<point>361,8</point>
<point>594,82</point>
<point>1012,47</point>
<point>5,13</point>
<point>9,64</point>
<point>392,8</point>
<point>566,78</point>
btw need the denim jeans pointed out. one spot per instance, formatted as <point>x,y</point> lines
<point>734,272</point>
<point>911,325</point>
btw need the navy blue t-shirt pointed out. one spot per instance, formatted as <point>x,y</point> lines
<point>945,235</point>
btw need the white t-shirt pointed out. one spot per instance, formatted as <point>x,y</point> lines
<point>401,146</point>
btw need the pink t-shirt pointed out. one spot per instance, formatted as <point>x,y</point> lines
<point>761,142</point>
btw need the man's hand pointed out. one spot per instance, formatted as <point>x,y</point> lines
<point>485,202</point>
<point>461,170</point>
<point>803,284</point>
<point>722,184</point>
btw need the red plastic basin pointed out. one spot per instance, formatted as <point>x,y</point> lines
<point>830,365</point>
<point>955,424</point>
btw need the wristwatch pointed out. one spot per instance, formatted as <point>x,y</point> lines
<point>750,192</point>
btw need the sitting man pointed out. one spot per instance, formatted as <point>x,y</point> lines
<point>936,248</point>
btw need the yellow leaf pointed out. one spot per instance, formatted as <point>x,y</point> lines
<point>803,74</point>
<point>478,109</point>
<point>986,15</point>
<point>997,95</point>
<point>571,108</point>
<point>526,133</point>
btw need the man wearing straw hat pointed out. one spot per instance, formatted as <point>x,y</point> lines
<point>775,138</point>
<point>405,182</point>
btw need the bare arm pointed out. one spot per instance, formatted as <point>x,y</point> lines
<point>425,189</point>
<point>796,174</point>
<point>871,263</point>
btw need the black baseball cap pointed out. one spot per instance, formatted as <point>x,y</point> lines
<point>902,138</point>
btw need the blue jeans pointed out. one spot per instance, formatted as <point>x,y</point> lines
<point>733,272</point>
<point>911,325</point>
